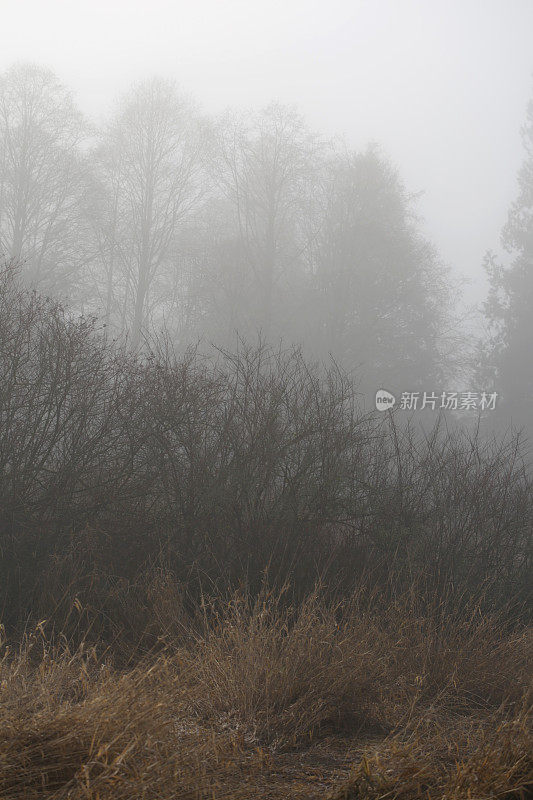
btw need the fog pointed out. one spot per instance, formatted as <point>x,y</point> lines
<point>399,125</point>
<point>266,399</point>
<point>443,86</point>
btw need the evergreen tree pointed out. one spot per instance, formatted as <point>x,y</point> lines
<point>382,291</point>
<point>509,306</point>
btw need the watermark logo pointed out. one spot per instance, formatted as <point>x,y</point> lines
<point>384,400</point>
<point>449,401</point>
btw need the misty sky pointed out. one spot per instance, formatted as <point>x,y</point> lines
<point>442,85</point>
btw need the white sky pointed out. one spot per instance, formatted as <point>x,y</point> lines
<point>442,85</point>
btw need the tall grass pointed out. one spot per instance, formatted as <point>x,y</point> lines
<point>249,682</point>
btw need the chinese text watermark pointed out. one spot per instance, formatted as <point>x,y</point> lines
<point>448,401</point>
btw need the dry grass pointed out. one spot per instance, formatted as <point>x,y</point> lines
<point>450,759</point>
<point>460,659</point>
<point>286,674</point>
<point>261,699</point>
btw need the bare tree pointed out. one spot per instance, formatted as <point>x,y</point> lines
<point>264,166</point>
<point>41,176</point>
<point>151,173</point>
<point>101,210</point>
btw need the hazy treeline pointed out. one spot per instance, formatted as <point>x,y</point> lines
<point>162,217</point>
<point>209,228</point>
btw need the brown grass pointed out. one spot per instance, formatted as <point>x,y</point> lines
<point>286,674</point>
<point>450,759</point>
<point>265,699</point>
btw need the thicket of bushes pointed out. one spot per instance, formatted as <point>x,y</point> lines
<point>225,468</point>
<point>146,504</point>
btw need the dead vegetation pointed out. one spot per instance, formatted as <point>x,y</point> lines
<point>261,698</point>
<point>452,759</point>
<point>146,503</point>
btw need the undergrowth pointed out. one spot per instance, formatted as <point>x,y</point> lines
<point>425,702</point>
